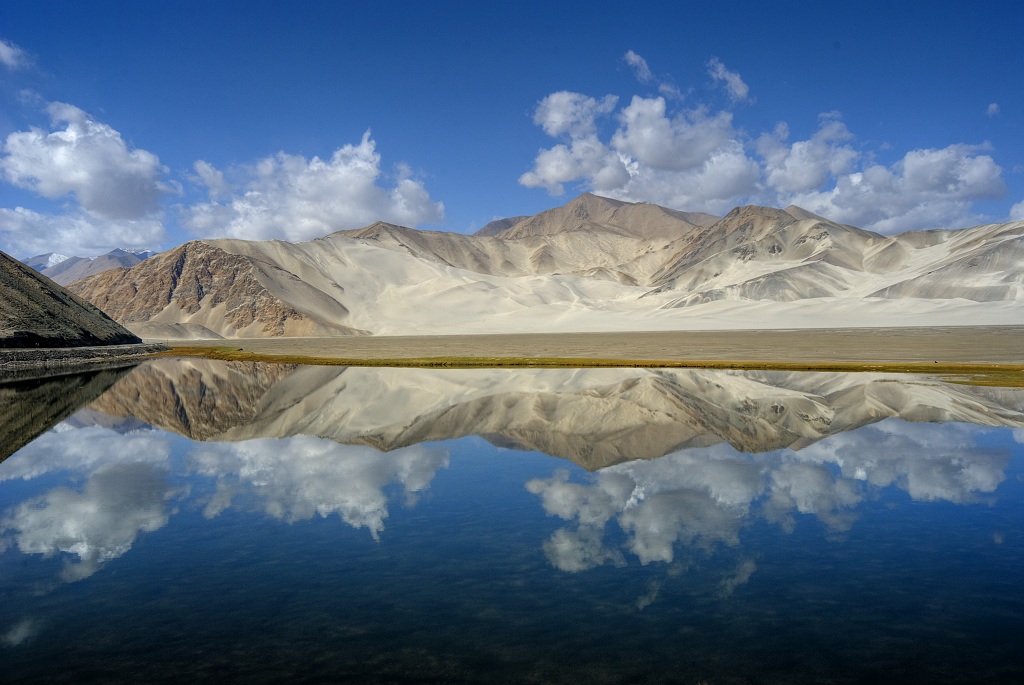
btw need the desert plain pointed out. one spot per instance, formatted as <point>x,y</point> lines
<point>954,345</point>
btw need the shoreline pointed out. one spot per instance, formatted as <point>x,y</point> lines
<point>984,354</point>
<point>20,363</point>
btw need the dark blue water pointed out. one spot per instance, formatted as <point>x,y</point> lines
<point>890,552</point>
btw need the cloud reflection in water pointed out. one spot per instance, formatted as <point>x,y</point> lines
<point>297,478</point>
<point>700,498</point>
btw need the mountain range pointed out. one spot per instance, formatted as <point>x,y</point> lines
<point>592,264</point>
<point>64,270</point>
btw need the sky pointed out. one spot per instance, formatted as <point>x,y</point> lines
<point>147,124</point>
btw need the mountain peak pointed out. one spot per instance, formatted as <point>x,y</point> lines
<point>799,213</point>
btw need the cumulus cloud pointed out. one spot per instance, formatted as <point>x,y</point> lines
<point>25,233</point>
<point>696,497</point>
<point>87,159</point>
<point>690,159</point>
<point>294,198</point>
<point>572,114</point>
<point>98,524</point>
<point>806,164</point>
<point>11,56</point>
<point>580,549</point>
<point>302,477</point>
<point>695,159</point>
<point>929,462</point>
<point>90,449</point>
<point>931,188</point>
<point>734,85</point>
<point>684,142</point>
<point>702,498</point>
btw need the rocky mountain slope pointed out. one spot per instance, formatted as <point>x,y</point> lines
<point>36,312</point>
<point>595,417</point>
<point>593,264</point>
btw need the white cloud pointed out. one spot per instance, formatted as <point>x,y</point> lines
<point>686,141</point>
<point>301,477</point>
<point>11,56</point>
<point>1017,212</point>
<point>213,179</point>
<point>639,64</point>
<point>290,197</point>
<point>806,164</point>
<point>25,233</point>
<point>927,461</point>
<point>704,497</point>
<point>571,114</point>
<point>727,176</point>
<point>932,188</point>
<point>737,89</point>
<point>645,75</point>
<point>695,159</point>
<point>992,109</point>
<point>688,160</point>
<point>585,157</point>
<point>89,449</point>
<point>86,159</point>
<point>99,524</point>
<point>578,550</point>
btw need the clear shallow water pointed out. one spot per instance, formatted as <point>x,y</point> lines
<point>779,528</point>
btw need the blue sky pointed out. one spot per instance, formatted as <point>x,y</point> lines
<point>145,124</point>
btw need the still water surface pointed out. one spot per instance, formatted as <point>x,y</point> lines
<point>204,521</point>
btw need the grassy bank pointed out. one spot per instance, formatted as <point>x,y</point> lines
<point>1001,375</point>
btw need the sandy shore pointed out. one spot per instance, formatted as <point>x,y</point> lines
<point>958,345</point>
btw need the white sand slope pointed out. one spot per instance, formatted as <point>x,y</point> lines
<point>592,265</point>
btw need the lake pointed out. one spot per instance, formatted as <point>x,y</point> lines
<point>190,520</point>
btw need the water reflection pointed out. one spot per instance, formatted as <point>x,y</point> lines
<point>372,525</point>
<point>301,477</point>
<point>594,417</point>
<point>30,406</point>
<point>703,497</point>
<point>96,524</point>
<point>121,487</point>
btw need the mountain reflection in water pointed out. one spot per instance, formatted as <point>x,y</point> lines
<point>258,522</point>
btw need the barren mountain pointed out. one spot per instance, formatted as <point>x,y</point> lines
<point>498,225</point>
<point>595,417</point>
<point>36,312</point>
<point>201,285</point>
<point>593,264</point>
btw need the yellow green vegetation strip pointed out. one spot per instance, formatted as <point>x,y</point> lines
<point>1001,375</point>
